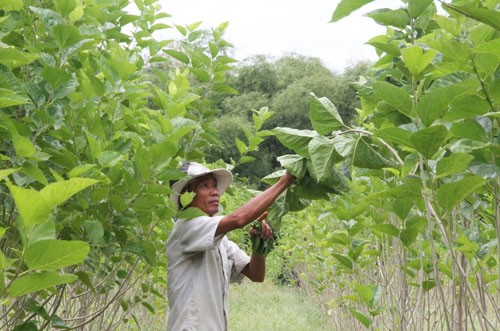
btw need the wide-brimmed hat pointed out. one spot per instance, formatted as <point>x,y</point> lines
<point>193,170</point>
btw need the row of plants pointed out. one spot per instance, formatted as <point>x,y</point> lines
<point>96,115</point>
<point>402,232</point>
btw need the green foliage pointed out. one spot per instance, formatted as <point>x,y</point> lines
<point>91,133</point>
<point>419,202</point>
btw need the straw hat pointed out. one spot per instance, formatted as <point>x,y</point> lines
<point>193,170</point>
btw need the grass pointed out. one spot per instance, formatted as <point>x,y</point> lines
<point>269,307</point>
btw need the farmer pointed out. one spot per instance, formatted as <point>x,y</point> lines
<point>201,259</point>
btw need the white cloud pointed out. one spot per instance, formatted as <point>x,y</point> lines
<point>278,27</point>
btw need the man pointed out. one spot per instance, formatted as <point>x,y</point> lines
<point>201,259</point>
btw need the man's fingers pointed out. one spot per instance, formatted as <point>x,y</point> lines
<point>267,231</point>
<point>262,216</point>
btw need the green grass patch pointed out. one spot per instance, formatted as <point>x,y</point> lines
<point>267,306</point>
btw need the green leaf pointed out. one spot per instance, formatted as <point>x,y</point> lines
<point>177,55</point>
<point>10,98</point>
<point>454,164</point>
<point>465,106</point>
<point>417,7</point>
<point>33,282</point>
<point>224,88</point>
<point>395,135</point>
<point>386,228</point>
<point>58,192</point>
<point>296,140</point>
<point>390,17</point>
<point>9,5</point>
<point>411,189</point>
<point>469,129</point>
<point>94,230</point>
<point>66,35</point>
<point>451,194</point>
<point>394,96</point>
<point>413,226</point>
<point>13,58</point>
<point>34,207</point>
<point>429,140</point>
<point>415,59</point>
<point>370,294</point>
<point>434,104</point>
<point>295,164</point>
<point>80,170</point>
<point>242,148</point>
<point>34,172</point>
<point>364,319</point>
<point>486,16</point>
<point>344,260</point>
<point>383,43</point>
<point>323,157</point>
<point>55,254</point>
<point>64,7</point>
<point>366,156</point>
<point>346,7</point>
<point>324,116</point>
<point>55,76</point>
<point>23,146</point>
<point>189,213</point>
<point>4,173</point>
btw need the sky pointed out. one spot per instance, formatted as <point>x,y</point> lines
<point>281,27</point>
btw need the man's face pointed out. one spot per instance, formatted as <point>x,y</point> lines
<point>207,195</point>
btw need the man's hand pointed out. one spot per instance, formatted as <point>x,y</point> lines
<point>266,231</point>
<point>261,235</point>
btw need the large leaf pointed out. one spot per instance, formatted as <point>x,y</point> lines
<point>13,58</point>
<point>434,103</point>
<point>429,140</point>
<point>23,146</point>
<point>331,178</point>
<point>390,17</point>
<point>370,294</point>
<point>415,59</point>
<point>64,7</point>
<point>34,207</point>
<point>395,135</point>
<point>364,319</point>
<point>454,164</point>
<point>58,192</point>
<point>346,7</point>
<point>487,16</point>
<point>294,163</point>
<point>366,155</point>
<point>324,116</point>
<point>296,140</point>
<point>55,254</point>
<point>38,281</point>
<point>410,189</point>
<point>10,98</point>
<point>413,226</point>
<point>66,35</point>
<point>323,157</point>
<point>344,260</point>
<point>417,7</point>
<point>394,96</point>
<point>451,194</point>
<point>464,106</point>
